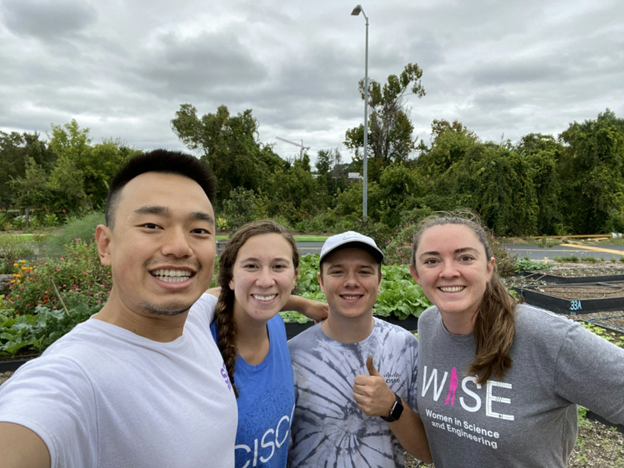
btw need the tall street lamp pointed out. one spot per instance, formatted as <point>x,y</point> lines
<point>356,11</point>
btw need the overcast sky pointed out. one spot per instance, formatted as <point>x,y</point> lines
<point>123,67</point>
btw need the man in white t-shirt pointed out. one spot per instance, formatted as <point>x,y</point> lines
<point>141,383</point>
<point>355,375</point>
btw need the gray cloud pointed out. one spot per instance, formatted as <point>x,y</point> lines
<point>47,19</point>
<point>123,68</point>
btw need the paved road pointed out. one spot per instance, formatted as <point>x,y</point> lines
<point>534,252</point>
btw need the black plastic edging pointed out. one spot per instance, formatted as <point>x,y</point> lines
<point>6,366</point>
<point>567,306</point>
<point>600,419</point>
<point>571,279</point>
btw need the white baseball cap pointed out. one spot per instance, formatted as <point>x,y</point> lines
<point>351,239</point>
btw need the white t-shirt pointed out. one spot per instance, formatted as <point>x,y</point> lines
<point>104,397</point>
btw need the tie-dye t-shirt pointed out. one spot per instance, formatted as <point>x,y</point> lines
<point>528,418</point>
<point>328,430</point>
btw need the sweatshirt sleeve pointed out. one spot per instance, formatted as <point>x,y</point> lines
<point>590,372</point>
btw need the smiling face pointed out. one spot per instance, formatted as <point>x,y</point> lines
<point>162,248</point>
<point>263,276</point>
<point>350,279</point>
<point>453,270</point>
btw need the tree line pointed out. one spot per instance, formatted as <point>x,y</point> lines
<point>539,185</point>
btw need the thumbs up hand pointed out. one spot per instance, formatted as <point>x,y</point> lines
<point>371,393</point>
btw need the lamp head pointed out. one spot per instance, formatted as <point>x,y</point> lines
<point>357,10</point>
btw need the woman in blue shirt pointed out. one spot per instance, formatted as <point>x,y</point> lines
<point>257,273</point>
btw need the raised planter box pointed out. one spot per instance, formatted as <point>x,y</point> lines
<point>570,306</point>
<point>552,279</point>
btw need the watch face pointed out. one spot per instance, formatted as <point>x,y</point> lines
<point>396,411</point>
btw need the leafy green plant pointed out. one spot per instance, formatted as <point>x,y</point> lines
<point>582,417</point>
<point>307,279</point>
<point>50,220</point>
<point>35,332</point>
<point>604,333</point>
<point>399,295</point>
<point>526,264</point>
<point>77,277</point>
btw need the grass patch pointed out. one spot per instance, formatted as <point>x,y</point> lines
<point>571,259</point>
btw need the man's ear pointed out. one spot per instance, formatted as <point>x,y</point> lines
<point>320,280</point>
<point>103,237</point>
<point>414,273</point>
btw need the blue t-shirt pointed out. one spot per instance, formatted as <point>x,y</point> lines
<point>266,403</point>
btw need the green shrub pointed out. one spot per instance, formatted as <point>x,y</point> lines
<point>242,207</point>
<point>75,228</point>
<point>505,258</point>
<point>571,258</point>
<point>78,275</point>
<point>398,249</point>
<point>526,264</point>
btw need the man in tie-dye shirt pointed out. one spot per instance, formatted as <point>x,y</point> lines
<point>355,375</point>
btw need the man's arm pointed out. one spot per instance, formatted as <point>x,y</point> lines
<point>314,310</point>
<point>22,448</point>
<point>374,398</point>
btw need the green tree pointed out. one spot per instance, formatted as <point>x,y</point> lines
<point>229,146</point>
<point>331,175</point>
<point>15,151</point>
<point>543,153</point>
<point>75,179</point>
<point>390,128</point>
<point>400,188</point>
<point>592,170</point>
<point>497,183</point>
<point>449,145</point>
<point>294,195</point>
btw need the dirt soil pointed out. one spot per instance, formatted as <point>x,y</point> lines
<point>597,446</point>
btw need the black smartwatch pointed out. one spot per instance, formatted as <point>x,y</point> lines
<point>395,412</point>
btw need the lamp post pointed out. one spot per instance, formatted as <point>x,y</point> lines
<point>356,11</point>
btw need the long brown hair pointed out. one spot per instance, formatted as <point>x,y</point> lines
<point>224,313</point>
<point>494,325</point>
